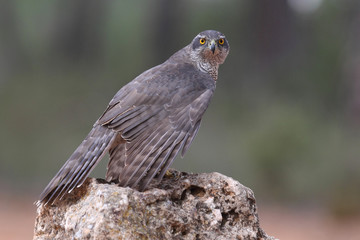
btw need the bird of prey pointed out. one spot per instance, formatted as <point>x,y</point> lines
<point>148,121</point>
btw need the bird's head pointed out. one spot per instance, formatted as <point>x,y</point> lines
<point>209,49</point>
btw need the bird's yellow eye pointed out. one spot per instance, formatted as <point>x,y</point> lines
<point>202,41</point>
<point>221,41</point>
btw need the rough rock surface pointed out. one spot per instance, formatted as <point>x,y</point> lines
<point>182,206</point>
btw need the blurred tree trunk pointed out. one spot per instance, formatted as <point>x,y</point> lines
<point>12,54</point>
<point>272,36</point>
<point>273,29</point>
<point>78,30</point>
<point>166,21</point>
<point>352,62</point>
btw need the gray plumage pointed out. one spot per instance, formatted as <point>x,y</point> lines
<point>149,120</point>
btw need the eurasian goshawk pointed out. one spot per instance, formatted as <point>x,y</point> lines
<point>149,120</point>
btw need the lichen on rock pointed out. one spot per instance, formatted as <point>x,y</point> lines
<point>182,206</point>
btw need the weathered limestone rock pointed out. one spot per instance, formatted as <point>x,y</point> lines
<point>182,206</point>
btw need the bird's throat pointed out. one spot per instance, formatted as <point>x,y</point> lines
<point>209,68</point>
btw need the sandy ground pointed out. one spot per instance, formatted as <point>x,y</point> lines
<point>17,218</point>
<point>303,224</point>
<point>18,215</point>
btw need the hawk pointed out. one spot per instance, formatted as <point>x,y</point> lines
<point>149,120</point>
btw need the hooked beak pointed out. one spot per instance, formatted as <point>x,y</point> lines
<point>212,46</point>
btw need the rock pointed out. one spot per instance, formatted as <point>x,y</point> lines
<point>182,206</point>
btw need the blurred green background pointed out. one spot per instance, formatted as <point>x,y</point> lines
<point>284,121</point>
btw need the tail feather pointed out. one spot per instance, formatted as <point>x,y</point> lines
<point>79,165</point>
<point>116,163</point>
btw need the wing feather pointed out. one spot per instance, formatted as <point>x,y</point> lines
<point>161,159</point>
<point>157,121</point>
<point>169,161</point>
<point>149,161</point>
<point>156,145</point>
<point>191,137</point>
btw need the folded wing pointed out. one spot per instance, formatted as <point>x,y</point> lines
<point>155,132</point>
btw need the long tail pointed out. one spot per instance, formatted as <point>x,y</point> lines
<point>79,165</point>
